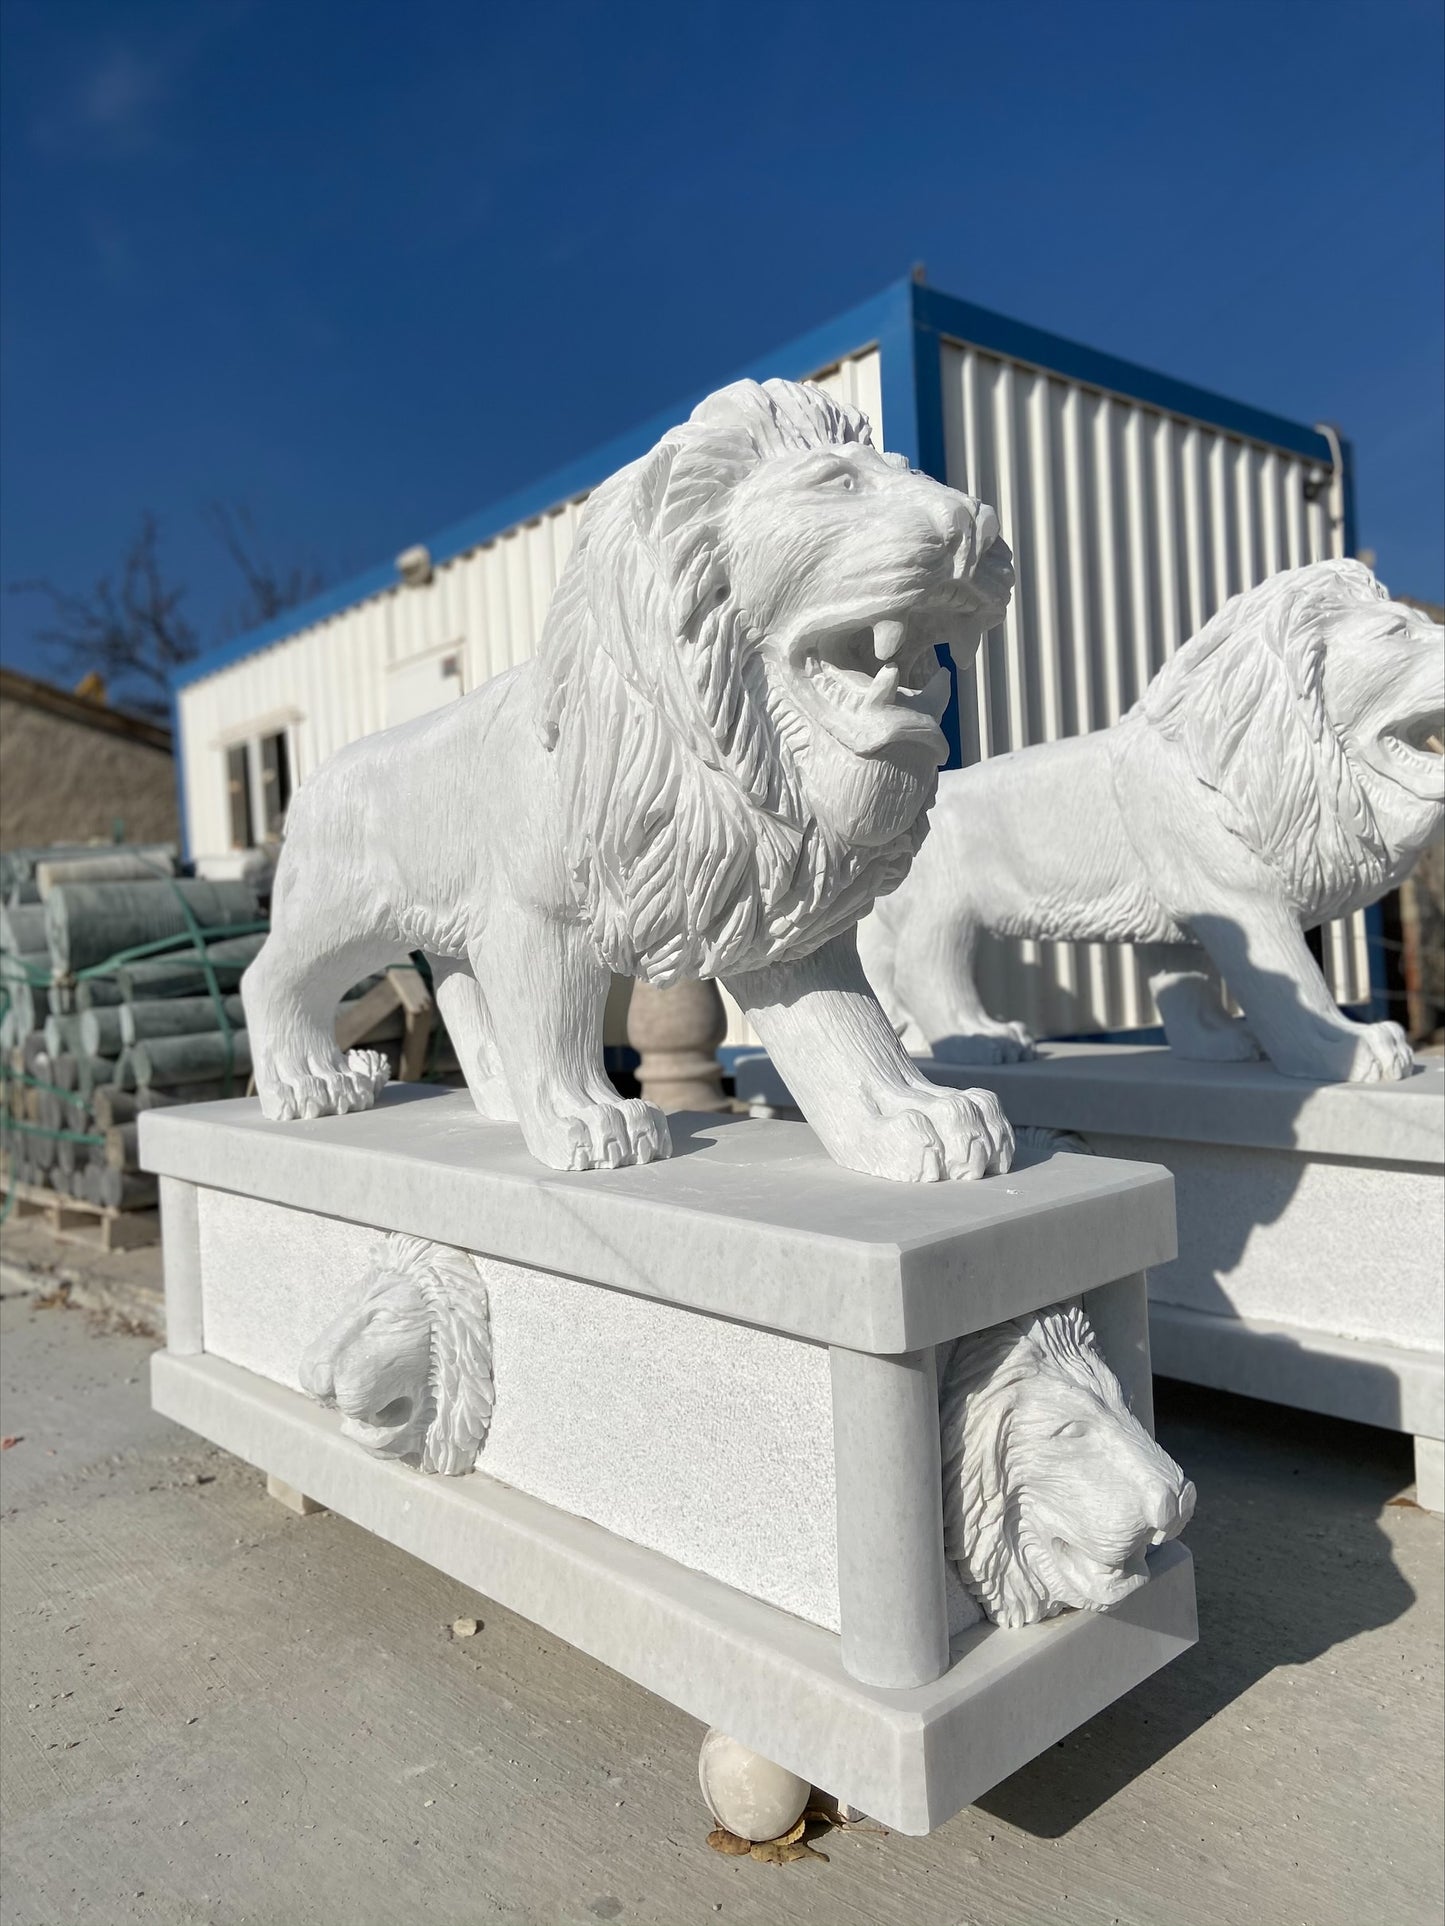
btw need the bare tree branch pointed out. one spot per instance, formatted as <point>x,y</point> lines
<point>130,632</point>
<point>269,590</point>
<point>133,630</point>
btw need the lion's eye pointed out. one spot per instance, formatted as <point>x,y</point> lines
<point>1075,1428</point>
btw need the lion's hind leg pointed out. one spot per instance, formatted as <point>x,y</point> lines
<point>469,1025</point>
<point>291,995</point>
<point>1190,997</point>
<point>936,980</point>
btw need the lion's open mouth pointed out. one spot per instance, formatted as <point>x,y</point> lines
<point>873,685</point>
<point>1097,1581</point>
<point>1416,749</point>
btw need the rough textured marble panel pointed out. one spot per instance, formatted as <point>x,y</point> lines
<point>702,1439</point>
<point>1352,1249</point>
<point>272,1280</point>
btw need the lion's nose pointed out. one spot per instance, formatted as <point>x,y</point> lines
<point>1171,1511</point>
<point>985,528</point>
<point>970,527</point>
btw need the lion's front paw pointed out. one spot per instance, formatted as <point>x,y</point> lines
<point>1382,1054</point>
<point>1345,1052</point>
<point>600,1134</point>
<point>923,1136</point>
<point>290,1094</point>
<point>1000,1043</point>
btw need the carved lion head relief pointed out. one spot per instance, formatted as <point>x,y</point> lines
<point>1053,1490</point>
<point>410,1369</point>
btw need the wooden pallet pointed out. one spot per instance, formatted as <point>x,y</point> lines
<point>99,1226</point>
<point>399,989</point>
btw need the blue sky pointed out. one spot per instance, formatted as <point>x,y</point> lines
<point>367,267</point>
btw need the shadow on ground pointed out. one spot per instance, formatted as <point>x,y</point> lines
<point>1290,1560</point>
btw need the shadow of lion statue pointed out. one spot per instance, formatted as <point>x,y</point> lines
<point>1281,770</point>
<point>1053,1492</point>
<point>724,750</point>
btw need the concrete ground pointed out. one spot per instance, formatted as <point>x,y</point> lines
<point>217,1711</point>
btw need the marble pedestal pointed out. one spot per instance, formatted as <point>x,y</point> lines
<point>1311,1221</point>
<point>713,1461</point>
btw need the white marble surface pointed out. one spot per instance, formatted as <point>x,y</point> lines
<point>749,1220</point>
<point>1144,1090</point>
<point>910,1758</point>
<point>1368,1383</point>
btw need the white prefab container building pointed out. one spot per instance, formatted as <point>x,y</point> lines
<point>1135,505</point>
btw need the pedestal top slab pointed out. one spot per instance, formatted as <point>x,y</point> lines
<point>1146,1091</point>
<point>749,1220</point>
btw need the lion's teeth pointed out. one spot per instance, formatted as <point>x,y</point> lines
<point>885,686</point>
<point>888,639</point>
<point>1435,745</point>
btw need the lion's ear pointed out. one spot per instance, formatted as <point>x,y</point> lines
<point>647,491</point>
<point>670,503</point>
<point>676,513</point>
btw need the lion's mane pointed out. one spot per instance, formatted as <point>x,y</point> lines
<point>692,849</point>
<point>1245,699</point>
<point>989,1482</point>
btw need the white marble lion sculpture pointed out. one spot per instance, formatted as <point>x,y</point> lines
<point>724,750</point>
<point>1282,769</point>
<point>1053,1492</point>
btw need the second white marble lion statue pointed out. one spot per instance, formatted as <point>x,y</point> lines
<point>1281,770</point>
<point>724,750</point>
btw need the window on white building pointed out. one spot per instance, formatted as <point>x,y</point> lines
<point>275,783</point>
<point>238,795</point>
<point>258,787</point>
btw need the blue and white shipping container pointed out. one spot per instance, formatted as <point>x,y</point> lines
<point>1135,505</point>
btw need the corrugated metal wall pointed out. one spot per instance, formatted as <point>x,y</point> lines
<point>1130,527</point>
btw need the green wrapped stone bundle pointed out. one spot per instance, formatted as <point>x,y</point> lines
<point>170,1062</point>
<point>180,973</point>
<point>175,1016</point>
<point>88,923</point>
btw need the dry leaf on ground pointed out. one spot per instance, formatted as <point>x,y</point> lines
<point>768,1852</point>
